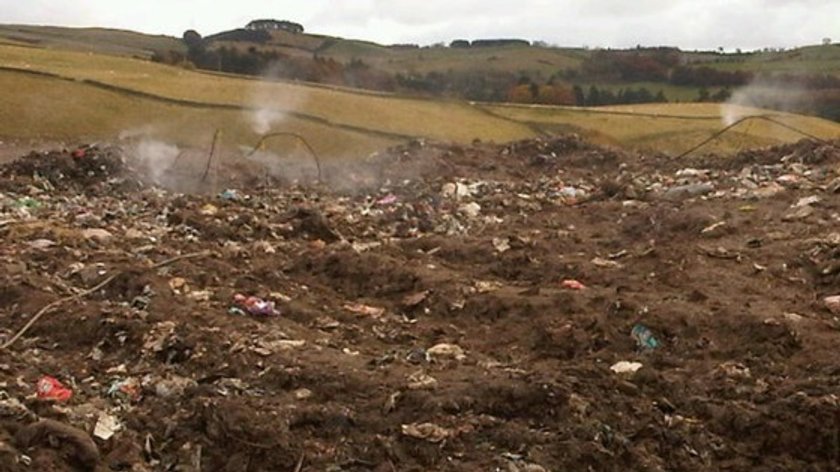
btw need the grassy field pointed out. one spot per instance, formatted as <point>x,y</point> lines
<point>53,110</point>
<point>403,116</point>
<point>669,128</point>
<point>536,61</point>
<point>823,59</point>
<point>185,107</point>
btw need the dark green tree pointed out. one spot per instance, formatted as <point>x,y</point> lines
<point>593,99</point>
<point>580,98</point>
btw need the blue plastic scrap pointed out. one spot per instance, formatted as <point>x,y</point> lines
<point>644,337</point>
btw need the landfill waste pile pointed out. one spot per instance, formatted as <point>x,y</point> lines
<point>544,305</point>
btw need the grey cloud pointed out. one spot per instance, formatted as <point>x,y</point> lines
<point>616,23</point>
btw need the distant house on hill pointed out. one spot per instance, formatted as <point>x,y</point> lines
<point>266,25</point>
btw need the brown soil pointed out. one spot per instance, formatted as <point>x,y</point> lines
<point>380,263</point>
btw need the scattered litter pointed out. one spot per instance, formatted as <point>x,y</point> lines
<point>573,285</point>
<point>487,286</point>
<point>128,389</point>
<point>391,402</point>
<point>421,381</point>
<point>365,310</point>
<point>427,431</point>
<point>501,245</point>
<point>50,388</point>
<point>209,210</point>
<point>199,295</point>
<point>833,304</point>
<point>156,365</point>
<point>387,200</point>
<point>644,338</point>
<point>800,213</point>
<point>712,228</point>
<point>768,191</point>
<point>97,234</point>
<point>626,367</point>
<point>178,285</point>
<point>688,191</point>
<point>793,317</point>
<point>254,305</point>
<point>471,210</point>
<point>807,201</point>
<point>171,387</point>
<point>456,190</point>
<point>41,244</point>
<point>303,394</point>
<point>106,426</point>
<point>418,355</point>
<point>229,194</point>
<point>446,351</point>
<point>606,263</point>
<point>288,344</point>
<point>734,370</point>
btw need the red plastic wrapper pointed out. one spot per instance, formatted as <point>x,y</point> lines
<point>49,388</point>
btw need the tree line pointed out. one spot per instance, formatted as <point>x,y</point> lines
<point>246,51</point>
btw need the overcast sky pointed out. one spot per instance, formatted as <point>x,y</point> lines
<point>695,24</point>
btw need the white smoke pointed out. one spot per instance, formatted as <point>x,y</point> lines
<point>263,120</point>
<point>760,95</point>
<point>731,112</point>
<point>269,98</point>
<point>154,157</point>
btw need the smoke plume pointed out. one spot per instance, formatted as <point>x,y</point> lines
<point>764,93</point>
<point>268,100</point>
<point>154,157</point>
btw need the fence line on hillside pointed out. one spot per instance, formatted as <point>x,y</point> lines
<point>768,118</point>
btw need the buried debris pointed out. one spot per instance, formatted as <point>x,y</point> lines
<point>833,304</point>
<point>253,306</point>
<point>446,351</point>
<point>77,444</point>
<point>427,431</point>
<point>415,336</point>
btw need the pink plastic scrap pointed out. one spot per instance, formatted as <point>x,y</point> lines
<point>255,306</point>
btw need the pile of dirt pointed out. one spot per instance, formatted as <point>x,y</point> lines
<point>540,305</point>
<point>80,169</point>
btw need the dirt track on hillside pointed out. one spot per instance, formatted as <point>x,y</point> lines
<point>428,315</point>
